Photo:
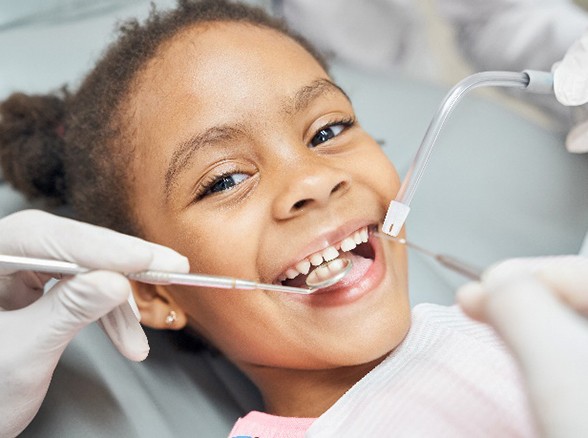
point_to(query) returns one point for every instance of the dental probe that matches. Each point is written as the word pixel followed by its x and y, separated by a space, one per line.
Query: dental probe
pixel 448 261
pixel 529 80
pixel 15 263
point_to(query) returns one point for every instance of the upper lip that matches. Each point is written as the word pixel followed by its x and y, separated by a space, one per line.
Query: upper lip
pixel 324 240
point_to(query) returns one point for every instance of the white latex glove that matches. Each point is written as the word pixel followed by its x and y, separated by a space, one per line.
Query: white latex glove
pixel 540 308
pixel 35 329
pixel 570 82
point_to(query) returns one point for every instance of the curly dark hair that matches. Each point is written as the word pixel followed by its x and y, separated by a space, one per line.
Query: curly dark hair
pixel 73 148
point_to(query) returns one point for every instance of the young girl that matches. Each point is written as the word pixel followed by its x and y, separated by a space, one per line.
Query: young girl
pixel 213 130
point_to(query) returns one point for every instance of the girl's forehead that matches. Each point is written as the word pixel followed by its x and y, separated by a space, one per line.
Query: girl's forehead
pixel 230 49
pixel 222 69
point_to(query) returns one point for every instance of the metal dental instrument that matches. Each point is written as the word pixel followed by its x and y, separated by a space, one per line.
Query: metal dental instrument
pixel 15 263
pixel 338 269
pixel 448 261
pixel 529 80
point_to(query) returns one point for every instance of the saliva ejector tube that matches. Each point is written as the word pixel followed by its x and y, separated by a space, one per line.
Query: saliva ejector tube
pixel 529 80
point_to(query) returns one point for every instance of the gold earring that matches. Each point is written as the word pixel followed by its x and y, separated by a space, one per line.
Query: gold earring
pixel 171 318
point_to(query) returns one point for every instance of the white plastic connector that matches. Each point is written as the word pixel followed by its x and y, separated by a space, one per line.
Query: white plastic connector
pixel 395 218
pixel 540 82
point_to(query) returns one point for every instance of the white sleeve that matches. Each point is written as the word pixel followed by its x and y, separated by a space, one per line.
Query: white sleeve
pixel 514 34
pixel 384 35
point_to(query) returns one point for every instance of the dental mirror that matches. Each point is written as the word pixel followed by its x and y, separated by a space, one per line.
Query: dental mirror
pixel 328 273
pixel 323 276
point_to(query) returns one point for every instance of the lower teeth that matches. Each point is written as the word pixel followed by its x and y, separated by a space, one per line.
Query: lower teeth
pixel 325 271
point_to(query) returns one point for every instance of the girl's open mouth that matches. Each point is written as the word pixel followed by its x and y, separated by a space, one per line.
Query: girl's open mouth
pixel 357 247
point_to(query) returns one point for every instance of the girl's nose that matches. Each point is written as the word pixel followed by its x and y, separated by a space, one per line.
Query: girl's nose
pixel 309 187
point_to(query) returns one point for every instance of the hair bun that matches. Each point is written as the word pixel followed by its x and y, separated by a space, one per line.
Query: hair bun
pixel 32 145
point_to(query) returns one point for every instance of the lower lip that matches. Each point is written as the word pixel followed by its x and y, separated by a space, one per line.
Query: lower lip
pixel 341 294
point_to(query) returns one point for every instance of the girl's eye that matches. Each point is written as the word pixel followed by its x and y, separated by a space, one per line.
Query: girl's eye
pixel 328 132
pixel 224 182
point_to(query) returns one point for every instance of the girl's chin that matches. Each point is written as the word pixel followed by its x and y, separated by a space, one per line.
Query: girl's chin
pixel 373 341
pixel 364 353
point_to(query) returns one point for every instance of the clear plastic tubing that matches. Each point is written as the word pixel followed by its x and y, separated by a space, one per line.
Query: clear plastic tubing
pixel 530 80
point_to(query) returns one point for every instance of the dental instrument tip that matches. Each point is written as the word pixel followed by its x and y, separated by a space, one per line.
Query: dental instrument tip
pixel 451 263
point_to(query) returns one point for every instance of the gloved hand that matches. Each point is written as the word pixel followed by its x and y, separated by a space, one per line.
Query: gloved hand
pixel 540 308
pixel 35 329
pixel 570 78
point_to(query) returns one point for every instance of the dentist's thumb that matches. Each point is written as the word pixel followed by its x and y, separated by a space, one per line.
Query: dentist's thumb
pixel 525 312
pixel 74 303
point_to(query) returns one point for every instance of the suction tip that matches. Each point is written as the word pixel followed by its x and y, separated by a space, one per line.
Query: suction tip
pixel 395 218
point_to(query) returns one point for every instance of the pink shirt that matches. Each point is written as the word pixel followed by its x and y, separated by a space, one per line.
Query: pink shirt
pixel 450 377
pixel 262 425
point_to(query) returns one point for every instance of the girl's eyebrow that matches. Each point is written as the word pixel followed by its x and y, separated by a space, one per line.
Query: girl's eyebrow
pixel 185 150
pixel 305 95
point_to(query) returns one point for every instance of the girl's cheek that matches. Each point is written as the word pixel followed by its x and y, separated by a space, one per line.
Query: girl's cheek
pixel 379 173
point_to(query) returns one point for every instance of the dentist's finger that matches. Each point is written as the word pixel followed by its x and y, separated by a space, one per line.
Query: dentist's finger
pixel 567 276
pixel 570 78
pixel 38 234
pixel 124 330
pixel 472 298
pixel 577 139
pixel 526 311
pixel 570 283
pixel 72 304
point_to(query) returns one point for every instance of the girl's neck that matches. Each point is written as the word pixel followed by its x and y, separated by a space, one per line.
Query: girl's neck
pixel 305 393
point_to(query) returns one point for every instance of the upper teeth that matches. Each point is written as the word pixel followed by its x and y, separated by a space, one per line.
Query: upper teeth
pixel 326 255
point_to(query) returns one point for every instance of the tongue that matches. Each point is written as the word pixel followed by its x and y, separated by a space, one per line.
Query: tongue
pixel 359 269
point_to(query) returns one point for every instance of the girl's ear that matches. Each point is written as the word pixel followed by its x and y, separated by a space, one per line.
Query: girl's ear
pixel 157 307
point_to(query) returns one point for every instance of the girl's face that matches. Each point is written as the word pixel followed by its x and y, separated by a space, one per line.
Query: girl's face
pixel 250 162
